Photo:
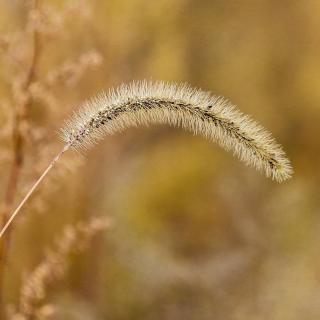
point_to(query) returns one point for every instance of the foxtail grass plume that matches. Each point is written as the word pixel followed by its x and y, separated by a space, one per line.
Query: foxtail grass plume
pixel 146 102
pixel 215 118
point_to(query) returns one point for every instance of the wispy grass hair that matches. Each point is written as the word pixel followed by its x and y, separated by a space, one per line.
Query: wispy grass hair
pixel 146 102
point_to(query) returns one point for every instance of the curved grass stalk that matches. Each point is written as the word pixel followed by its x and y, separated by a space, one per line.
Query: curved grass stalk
pixel 144 103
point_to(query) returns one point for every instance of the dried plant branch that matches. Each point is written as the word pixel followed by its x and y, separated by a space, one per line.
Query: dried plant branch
pixel 55 264
pixel 19 126
pixel 22 58
pixel 143 103
pixel 71 71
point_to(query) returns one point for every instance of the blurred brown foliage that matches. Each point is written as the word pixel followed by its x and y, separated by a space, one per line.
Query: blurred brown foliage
pixel 196 235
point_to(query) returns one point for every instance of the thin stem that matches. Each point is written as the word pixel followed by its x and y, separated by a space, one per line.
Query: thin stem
pixel 32 189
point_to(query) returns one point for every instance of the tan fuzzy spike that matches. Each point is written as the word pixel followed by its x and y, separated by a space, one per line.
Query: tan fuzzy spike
pixel 143 103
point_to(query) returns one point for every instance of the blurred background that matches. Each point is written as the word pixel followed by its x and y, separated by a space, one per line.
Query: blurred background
pixel 155 223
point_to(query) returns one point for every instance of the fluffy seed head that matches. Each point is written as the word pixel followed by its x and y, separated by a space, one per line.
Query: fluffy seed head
pixel 143 103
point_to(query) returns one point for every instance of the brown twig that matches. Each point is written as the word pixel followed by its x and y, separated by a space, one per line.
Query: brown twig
pixel 19 124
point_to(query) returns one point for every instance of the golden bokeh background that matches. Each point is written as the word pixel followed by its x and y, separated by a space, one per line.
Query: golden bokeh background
pixel 194 233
